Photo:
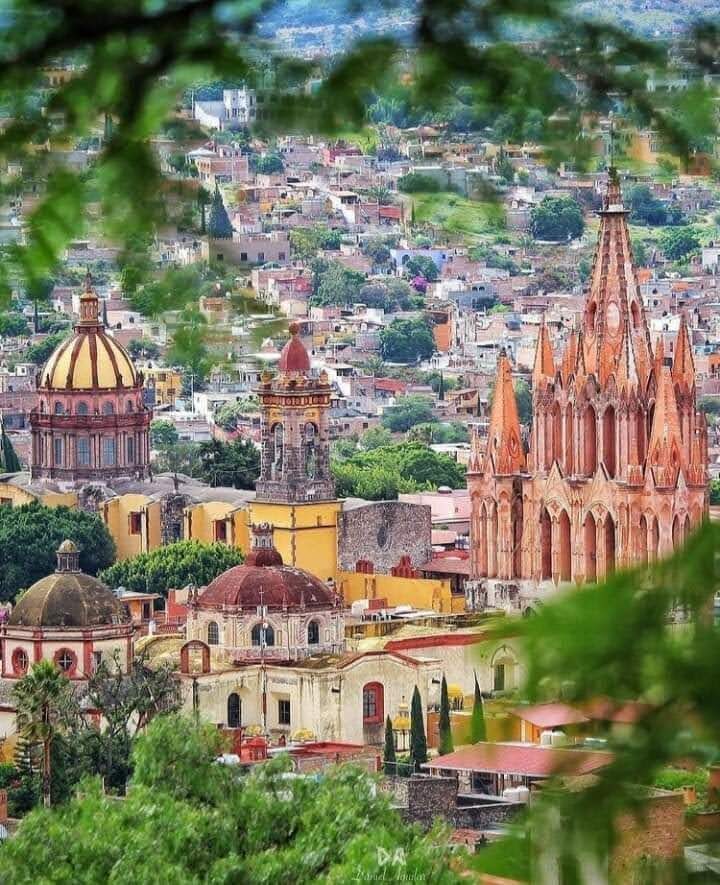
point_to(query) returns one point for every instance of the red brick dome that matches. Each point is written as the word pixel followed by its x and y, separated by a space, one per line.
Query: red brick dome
pixel 294 357
pixel 277 586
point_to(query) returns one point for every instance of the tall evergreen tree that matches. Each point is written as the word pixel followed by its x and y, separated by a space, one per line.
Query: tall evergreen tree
pixel 24 795
pixel 446 742
pixel 389 752
pixel 9 461
pixel 418 741
pixel 477 721
pixel 219 226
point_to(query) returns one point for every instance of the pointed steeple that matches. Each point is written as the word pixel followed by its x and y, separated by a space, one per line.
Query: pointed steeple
pixel 614 296
pixel 683 368
pixel 665 450
pixel 544 368
pixel 570 355
pixel 626 375
pixel 504 445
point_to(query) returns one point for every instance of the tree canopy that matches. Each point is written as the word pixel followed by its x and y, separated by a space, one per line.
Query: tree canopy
pixel 163 433
pixel 264 827
pixel 679 243
pixel 30 535
pixel 407 412
pixel 557 218
pixel 172 566
pixel 219 226
pixel 406 341
pixel 337 285
pixel 382 473
pixel 235 464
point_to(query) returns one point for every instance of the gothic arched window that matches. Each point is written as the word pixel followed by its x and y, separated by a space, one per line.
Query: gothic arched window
pixel 233 710
pixel 310 444
pixel 256 635
pixel 277 463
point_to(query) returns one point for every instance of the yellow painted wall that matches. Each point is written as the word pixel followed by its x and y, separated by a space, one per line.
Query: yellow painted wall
pixel 240 529
pixel 18 496
pixel 305 534
pixel 116 516
pixel 427 593
pixel 200 520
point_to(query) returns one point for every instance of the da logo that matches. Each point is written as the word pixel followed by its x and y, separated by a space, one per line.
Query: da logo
pixel 395 858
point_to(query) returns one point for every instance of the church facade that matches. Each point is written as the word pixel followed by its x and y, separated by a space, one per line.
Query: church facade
pixel 615 473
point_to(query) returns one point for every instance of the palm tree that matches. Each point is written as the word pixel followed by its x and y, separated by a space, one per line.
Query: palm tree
pixel 43 700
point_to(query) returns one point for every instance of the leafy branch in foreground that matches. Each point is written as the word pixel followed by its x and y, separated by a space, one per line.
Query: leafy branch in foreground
pixel 133 61
pixel 644 635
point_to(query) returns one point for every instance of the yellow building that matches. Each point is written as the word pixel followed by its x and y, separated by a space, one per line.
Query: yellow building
pixel 338 541
pixel 165 382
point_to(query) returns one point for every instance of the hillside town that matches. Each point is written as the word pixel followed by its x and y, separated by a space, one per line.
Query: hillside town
pixel 306 463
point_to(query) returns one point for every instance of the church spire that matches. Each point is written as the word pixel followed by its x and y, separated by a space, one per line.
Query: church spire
pixel 504 446
pixel 626 373
pixel 544 368
pixel 665 450
pixel 614 296
pixel 683 367
pixel 569 358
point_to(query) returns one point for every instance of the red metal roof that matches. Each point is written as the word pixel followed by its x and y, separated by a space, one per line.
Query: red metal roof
pixel 522 759
pixel 442 566
pixel 549 715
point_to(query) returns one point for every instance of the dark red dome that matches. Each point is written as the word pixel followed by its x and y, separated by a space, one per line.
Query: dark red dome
pixel 294 357
pixel 263 556
pixel 276 586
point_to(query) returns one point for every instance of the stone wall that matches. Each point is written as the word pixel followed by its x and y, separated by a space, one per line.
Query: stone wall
pixel 382 532
pixel 172 517
pixel 430 798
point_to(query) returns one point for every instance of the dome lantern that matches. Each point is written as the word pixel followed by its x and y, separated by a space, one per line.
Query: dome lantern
pixel 68 558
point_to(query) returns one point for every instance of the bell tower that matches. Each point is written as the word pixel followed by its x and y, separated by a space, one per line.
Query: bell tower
pixel 295 465
pixel 296 492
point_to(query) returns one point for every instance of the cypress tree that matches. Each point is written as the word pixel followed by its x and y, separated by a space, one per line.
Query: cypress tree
pixel 389 753
pixel 9 461
pixel 418 741
pixel 477 722
pixel 219 226
pixel 24 795
pixel 446 742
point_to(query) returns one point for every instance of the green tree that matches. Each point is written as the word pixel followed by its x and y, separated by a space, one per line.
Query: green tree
pixel 445 744
pixel 416 182
pixel 376 249
pixel 640 251
pixel 9 461
pixel 13 325
pixel 163 433
pixel 677 244
pixel 43 701
pixel 235 464
pixel 477 720
pixel 306 242
pixel 645 207
pixel 189 346
pixel 557 218
pixel 418 741
pixel 172 566
pixel 143 347
pixel 421 266
pixel 375 438
pixel 40 353
pixel 38 292
pixel 389 759
pixel 407 412
pixel 228 415
pixel 219 226
pixel 204 199
pixel 265 828
pixel 30 535
pixel 407 341
pixel 338 285
pixel 523 397
pixel 268 164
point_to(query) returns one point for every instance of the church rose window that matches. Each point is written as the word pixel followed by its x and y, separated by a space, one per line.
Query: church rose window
pixel 66 660
pixel 20 661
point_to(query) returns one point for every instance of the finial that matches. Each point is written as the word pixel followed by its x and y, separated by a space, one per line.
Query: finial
pixel 294 329
pixel 88 280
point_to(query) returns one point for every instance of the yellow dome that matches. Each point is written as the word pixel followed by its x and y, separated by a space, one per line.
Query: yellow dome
pixel 89 360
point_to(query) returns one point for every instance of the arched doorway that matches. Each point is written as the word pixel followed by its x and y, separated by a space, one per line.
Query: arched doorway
pixel 545 545
pixel 565 550
pixel 590 441
pixel 590 545
pixel 655 538
pixel 609 440
pixel 557 446
pixel 676 533
pixel 642 546
pixel 569 442
pixel 234 708
pixel 609 532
